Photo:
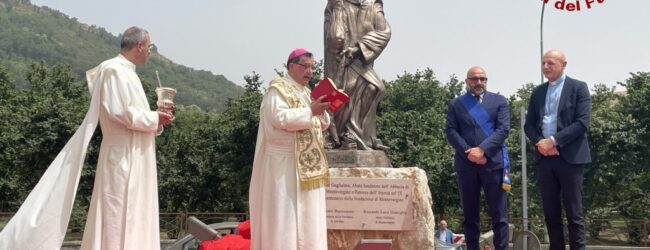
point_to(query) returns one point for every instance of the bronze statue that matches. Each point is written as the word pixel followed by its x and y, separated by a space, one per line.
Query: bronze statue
pixel 356 32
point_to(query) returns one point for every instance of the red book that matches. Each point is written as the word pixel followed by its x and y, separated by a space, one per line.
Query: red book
pixel 334 96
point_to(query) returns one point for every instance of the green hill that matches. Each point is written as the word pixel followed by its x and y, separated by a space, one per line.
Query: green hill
pixel 30 34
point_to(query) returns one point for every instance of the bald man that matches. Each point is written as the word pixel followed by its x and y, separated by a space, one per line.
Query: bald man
pixel 558 118
pixel 477 126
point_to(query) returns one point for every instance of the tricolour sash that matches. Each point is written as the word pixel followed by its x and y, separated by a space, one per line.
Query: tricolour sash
pixel 482 118
pixel 311 161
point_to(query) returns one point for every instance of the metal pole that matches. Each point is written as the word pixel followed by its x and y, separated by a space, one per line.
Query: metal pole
pixel 541 78
pixel 541 40
pixel 524 175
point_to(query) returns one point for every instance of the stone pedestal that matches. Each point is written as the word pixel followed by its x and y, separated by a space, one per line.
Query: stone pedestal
pixel 422 238
pixel 357 158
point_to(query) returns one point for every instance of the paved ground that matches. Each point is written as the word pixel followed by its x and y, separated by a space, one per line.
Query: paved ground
pixel 74 245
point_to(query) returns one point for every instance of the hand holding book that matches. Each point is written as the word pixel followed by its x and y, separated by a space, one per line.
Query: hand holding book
pixel 335 97
pixel 318 106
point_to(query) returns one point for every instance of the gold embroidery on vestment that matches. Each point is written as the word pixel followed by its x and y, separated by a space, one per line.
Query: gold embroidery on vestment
pixel 311 161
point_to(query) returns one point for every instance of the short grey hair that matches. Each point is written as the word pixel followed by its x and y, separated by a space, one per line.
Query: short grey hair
pixel 132 36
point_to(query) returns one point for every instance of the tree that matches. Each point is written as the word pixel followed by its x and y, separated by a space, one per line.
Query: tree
pixel 516 101
pixel 183 153
pixel 411 121
pixel 210 155
pixel 631 155
pixel 41 119
pixel 238 131
pixel 11 123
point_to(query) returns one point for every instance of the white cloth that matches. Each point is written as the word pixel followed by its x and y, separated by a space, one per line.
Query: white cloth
pixel 123 210
pixel 282 216
pixel 42 220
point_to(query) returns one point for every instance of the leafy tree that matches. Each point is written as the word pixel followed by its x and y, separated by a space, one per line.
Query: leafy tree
pixel 632 152
pixel 38 122
pixel 238 131
pixel 606 141
pixel 518 101
pixel 210 155
pixel 11 124
pixel 55 108
pixel 183 155
pixel 411 121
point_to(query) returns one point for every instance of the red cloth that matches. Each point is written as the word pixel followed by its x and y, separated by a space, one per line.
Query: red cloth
pixel 244 229
pixel 228 242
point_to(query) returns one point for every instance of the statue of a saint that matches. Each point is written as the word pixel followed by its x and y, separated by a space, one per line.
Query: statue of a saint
pixel 356 32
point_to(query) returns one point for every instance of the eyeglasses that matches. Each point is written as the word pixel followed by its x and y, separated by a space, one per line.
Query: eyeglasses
pixel 476 79
pixel 305 66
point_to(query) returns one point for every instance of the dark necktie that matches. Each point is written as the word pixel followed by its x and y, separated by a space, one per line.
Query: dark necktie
pixel 478 98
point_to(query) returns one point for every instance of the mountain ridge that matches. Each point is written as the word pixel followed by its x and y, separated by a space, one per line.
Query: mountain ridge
pixel 31 34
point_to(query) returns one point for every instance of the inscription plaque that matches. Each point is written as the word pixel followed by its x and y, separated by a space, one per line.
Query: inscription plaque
pixel 369 204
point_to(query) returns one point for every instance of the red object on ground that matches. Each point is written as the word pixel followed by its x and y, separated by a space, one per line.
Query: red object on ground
pixel 228 242
pixel 244 229
pixel 239 241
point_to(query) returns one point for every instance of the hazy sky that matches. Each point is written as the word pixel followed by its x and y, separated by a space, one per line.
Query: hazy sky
pixel 235 37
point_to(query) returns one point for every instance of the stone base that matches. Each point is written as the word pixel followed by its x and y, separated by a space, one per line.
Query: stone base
pixel 357 158
pixel 422 238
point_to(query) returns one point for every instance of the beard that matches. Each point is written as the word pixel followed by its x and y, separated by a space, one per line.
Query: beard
pixel 476 90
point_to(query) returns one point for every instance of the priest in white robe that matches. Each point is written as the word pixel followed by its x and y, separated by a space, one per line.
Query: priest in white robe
pixel 287 190
pixel 124 206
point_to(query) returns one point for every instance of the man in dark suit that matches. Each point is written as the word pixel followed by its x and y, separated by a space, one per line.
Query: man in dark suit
pixel 479 158
pixel 558 118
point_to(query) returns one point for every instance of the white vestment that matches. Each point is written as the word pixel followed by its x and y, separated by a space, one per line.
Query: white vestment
pixel 123 210
pixel 124 206
pixel 282 216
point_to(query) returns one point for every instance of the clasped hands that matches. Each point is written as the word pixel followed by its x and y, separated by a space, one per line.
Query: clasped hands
pixel 349 53
pixel 476 155
pixel 318 106
pixel 165 116
pixel 546 147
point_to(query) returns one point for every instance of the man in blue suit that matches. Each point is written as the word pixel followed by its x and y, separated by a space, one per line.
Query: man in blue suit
pixel 479 158
pixel 558 118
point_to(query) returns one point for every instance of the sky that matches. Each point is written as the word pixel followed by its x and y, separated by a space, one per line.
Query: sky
pixel 603 44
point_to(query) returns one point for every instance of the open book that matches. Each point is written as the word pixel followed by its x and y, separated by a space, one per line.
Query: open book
pixel 334 96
